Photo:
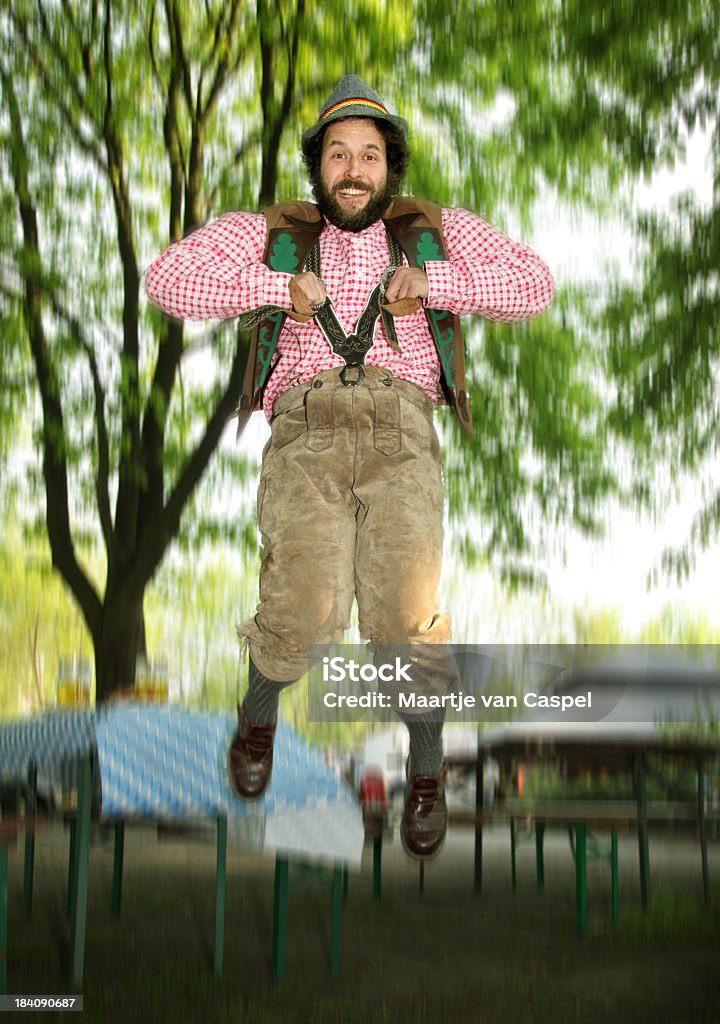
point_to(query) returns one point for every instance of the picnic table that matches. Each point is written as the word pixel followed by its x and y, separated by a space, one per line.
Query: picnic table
pixel 133 762
pixel 581 751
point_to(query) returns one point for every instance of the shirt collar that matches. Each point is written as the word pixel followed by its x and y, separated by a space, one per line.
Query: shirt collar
pixel 376 229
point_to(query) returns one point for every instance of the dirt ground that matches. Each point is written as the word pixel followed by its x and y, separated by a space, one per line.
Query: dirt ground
pixel 446 954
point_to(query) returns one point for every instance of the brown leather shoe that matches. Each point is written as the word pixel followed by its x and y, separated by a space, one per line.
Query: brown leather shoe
pixel 425 817
pixel 250 757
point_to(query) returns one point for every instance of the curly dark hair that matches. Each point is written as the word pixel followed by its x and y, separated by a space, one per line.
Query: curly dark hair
pixel 396 147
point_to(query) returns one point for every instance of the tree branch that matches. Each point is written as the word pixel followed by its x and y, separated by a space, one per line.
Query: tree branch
pixel 69 76
pixel 222 67
pixel 172 337
pixel 160 531
pixel 238 156
pixel 67 113
pixel 275 115
pixel 177 47
pixel 130 469
pixel 102 480
pixel 151 49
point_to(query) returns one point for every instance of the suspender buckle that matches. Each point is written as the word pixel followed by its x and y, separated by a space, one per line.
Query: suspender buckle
pixel 350 382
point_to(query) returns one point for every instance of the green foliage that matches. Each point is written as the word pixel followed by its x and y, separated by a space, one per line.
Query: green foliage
pixel 39 624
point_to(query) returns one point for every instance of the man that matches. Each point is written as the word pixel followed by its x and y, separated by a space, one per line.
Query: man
pixel 359 298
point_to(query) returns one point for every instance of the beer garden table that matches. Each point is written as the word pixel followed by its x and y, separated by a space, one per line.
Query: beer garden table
pixel 139 762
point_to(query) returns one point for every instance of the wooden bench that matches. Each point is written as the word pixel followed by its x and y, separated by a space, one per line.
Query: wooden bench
pixel 580 817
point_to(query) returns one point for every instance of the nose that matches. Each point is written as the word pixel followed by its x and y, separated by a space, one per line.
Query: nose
pixel 355 169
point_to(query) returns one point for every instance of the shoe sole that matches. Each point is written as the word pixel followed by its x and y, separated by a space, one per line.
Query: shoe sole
pixel 421 858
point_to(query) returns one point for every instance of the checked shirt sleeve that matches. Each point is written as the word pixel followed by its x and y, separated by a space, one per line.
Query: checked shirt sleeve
pixel 217 272
pixel 487 272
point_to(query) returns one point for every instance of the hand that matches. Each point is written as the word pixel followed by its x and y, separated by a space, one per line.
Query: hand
pixel 312 288
pixel 408 283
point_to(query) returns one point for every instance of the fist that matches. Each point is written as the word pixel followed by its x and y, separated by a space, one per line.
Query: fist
pixel 408 283
pixel 311 288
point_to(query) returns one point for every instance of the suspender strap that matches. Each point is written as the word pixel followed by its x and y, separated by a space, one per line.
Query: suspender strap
pixel 416 225
pixel 354 347
pixel 414 228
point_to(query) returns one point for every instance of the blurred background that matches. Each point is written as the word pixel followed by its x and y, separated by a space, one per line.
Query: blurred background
pixel 585 509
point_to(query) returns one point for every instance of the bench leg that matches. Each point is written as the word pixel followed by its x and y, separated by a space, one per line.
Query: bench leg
pixel 220 875
pixel 72 872
pixel 479 808
pixel 30 812
pixel 377 868
pixel 513 854
pixel 703 835
pixel 643 842
pixel 118 858
pixel 614 875
pixel 336 920
pixel 581 877
pixel 540 853
pixel 280 917
pixel 80 864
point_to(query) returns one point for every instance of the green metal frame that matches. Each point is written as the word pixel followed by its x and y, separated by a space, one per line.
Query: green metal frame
pixel 614 887
pixel 540 853
pixel 338 893
pixel 220 884
pixel 118 860
pixel 377 868
pixel 280 904
pixel 479 810
pixel 30 819
pixel 78 889
pixel 337 882
pixel 703 833
pixel 581 877
pixel 643 841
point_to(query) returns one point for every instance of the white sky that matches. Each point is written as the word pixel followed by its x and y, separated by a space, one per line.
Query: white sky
pixel 614 573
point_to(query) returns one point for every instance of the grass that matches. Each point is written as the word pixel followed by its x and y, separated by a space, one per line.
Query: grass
pixel 671 918
pixel 448 955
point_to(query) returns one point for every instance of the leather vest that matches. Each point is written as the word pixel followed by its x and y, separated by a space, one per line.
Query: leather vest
pixel 293 230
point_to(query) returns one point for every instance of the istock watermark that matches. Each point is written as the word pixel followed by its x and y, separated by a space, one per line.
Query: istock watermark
pixel 533 683
pixel 340 670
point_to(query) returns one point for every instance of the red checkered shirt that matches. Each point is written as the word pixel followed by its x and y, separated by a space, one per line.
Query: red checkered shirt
pixel 218 272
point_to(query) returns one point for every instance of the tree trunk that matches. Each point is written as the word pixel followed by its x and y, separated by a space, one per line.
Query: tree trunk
pixel 118 644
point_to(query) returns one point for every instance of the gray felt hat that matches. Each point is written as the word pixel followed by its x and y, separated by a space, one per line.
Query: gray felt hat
pixel 353 98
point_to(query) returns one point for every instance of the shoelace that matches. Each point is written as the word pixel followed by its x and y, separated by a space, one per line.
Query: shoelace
pixel 258 738
pixel 425 789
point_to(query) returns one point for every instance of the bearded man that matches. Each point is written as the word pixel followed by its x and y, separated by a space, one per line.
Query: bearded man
pixel 357 299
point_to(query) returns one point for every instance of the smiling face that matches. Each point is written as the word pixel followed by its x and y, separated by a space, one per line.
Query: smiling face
pixel 353 189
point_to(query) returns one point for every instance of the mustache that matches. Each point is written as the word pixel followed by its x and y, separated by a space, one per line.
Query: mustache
pixel 352 184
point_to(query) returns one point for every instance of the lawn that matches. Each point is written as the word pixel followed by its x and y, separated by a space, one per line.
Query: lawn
pixel 448 954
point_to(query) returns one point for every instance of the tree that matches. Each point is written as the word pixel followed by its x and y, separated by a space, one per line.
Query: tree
pixel 108 82
pixel 109 105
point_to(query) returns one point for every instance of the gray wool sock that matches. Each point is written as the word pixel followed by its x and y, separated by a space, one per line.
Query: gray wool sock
pixel 426 745
pixel 262 697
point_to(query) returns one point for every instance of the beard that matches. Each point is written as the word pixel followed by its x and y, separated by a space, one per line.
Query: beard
pixel 352 220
